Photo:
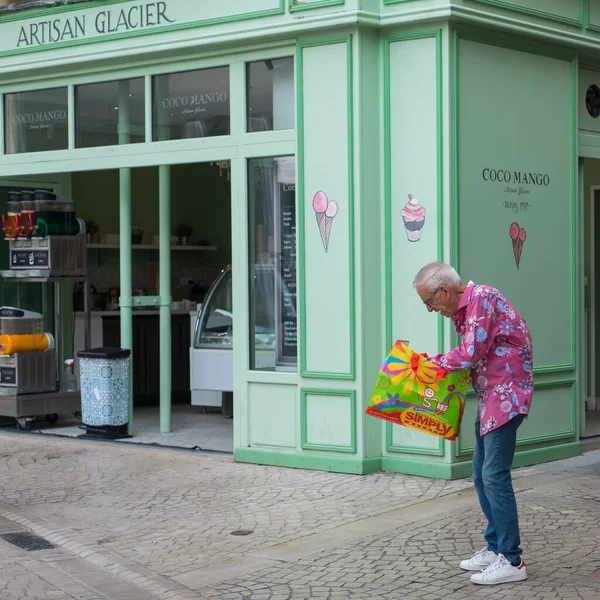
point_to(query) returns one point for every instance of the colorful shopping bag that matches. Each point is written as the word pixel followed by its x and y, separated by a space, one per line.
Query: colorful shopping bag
pixel 414 392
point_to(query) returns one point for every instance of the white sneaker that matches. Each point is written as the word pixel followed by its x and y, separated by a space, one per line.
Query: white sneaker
pixel 500 571
pixel 480 560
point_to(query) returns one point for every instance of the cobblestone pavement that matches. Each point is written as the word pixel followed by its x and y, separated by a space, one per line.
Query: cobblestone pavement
pixel 137 524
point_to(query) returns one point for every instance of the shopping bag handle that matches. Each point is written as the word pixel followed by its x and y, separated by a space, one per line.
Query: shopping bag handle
pixel 441 369
pixel 440 373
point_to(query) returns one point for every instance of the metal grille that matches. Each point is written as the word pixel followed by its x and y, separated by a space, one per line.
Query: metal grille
pixel 27 541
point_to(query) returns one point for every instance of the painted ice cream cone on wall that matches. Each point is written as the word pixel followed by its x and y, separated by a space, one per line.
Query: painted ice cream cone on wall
pixel 518 235
pixel 325 212
pixel 413 216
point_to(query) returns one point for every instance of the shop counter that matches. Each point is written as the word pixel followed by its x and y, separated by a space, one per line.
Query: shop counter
pixel 106 331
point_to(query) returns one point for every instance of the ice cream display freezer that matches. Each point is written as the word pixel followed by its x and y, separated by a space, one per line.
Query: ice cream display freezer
pixel 211 355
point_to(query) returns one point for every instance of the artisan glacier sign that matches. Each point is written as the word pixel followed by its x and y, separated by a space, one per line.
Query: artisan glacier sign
pixel 124 18
pixel 61 29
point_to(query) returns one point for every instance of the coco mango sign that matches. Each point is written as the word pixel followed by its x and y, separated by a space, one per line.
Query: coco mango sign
pixel 125 18
pixel 515 176
pixel 518 186
pixel 40 116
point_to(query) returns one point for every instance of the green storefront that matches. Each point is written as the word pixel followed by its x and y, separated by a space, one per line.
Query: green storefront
pixel 406 130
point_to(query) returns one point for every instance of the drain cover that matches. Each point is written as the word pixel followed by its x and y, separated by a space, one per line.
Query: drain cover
pixel 27 541
pixel 242 532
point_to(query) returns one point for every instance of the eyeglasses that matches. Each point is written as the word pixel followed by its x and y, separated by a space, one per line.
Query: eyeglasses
pixel 430 300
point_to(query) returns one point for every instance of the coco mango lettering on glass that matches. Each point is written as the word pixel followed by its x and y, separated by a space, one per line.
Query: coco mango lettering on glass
pixel 40 117
pixel 195 103
pixel 52 31
pixel 193 99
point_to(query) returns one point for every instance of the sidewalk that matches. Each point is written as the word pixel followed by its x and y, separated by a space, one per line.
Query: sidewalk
pixel 138 524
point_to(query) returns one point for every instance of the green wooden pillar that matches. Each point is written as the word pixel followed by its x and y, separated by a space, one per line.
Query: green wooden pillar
pixel 164 215
pixel 126 300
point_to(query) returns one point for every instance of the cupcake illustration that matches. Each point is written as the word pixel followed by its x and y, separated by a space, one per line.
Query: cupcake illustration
pixel 414 219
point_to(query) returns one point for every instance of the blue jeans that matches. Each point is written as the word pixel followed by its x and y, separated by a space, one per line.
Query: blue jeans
pixel 492 462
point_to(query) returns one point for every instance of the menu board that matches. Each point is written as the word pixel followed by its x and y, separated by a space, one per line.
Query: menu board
pixel 29 259
pixel 288 336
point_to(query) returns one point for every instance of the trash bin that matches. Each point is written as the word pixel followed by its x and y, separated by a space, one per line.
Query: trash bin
pixel 105 392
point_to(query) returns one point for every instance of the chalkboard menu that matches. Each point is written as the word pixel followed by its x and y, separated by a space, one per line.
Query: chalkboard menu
pixel 288 336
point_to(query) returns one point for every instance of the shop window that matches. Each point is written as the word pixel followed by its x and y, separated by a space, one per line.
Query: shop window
pixel 36 121
pixel 272 268
pixel 270 94
pixel 191 104
pixel 110 113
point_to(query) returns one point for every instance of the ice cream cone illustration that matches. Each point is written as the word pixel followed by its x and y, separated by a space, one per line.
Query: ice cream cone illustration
pixel 325 211
pixel 413 216
pixel 518 235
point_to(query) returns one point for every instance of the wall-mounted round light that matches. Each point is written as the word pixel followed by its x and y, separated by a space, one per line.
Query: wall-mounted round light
pixel 592 101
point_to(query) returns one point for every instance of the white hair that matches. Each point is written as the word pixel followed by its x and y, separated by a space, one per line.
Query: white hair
pixel 435 274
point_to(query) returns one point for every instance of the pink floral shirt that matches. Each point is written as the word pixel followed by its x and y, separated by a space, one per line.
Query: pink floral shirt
pixel 496 346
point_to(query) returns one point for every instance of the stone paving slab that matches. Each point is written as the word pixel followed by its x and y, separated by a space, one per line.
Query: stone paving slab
pixel 419 558
pixel 144 523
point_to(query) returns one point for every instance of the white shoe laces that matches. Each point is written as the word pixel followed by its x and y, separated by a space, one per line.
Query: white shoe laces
pixel 497 564
pixel 481 553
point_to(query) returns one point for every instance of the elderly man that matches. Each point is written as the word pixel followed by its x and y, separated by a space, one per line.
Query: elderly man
pixel 496 346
